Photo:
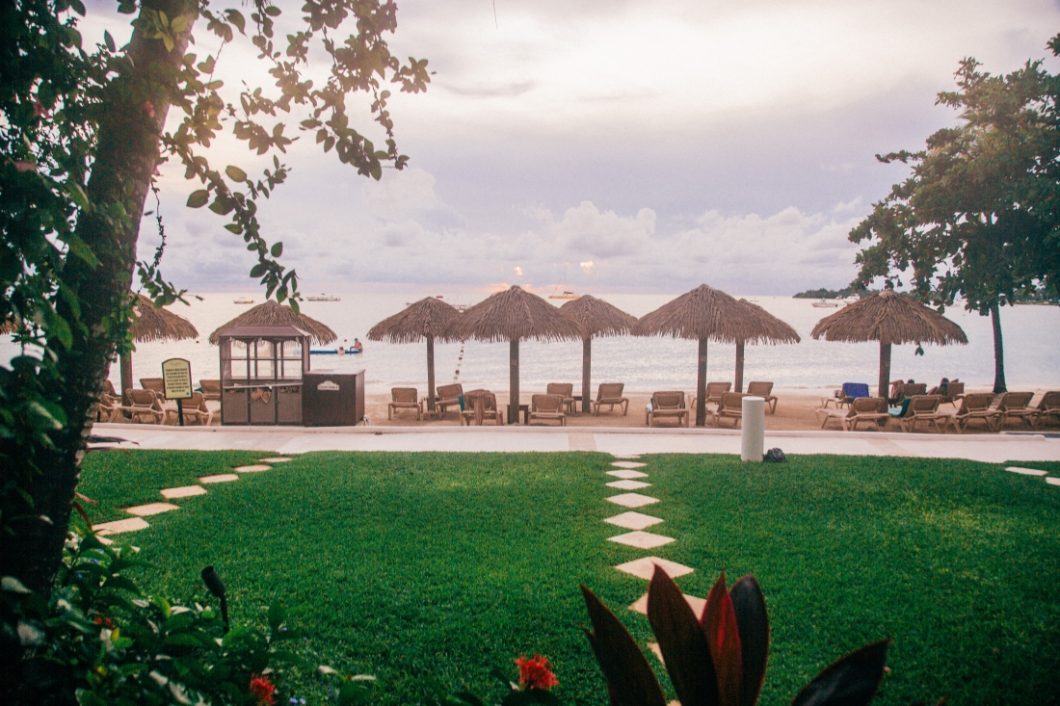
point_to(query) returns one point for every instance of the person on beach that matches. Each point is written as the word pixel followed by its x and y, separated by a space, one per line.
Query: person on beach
pixel 342 348
pixel 357 347
pixel 943 388
pixel 897 392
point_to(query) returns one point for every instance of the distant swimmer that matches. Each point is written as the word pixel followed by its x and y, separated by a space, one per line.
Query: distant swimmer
pixel 342 348
pixel 357 346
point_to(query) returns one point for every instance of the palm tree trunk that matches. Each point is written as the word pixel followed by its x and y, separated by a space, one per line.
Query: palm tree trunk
pixel 999 349
pixel 430 373
pixel 885 368
pixel 513 382
pixel 738 383
pixel 701 385
pixel 587 365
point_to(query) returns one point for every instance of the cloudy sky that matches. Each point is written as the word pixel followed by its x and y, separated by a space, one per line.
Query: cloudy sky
pixel 606 146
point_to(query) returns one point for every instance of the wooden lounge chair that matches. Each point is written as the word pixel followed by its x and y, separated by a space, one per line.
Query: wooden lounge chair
pixel 610 394
pixel 730 406
pixel 952 392
pixel 870 410
pixel 847 394
pixel 667 405
pixel 548 408
pixel 447 396
pixel 974 406
pixel 765 391
pixel 194 410
pixel 108 406
pixel 1048 406
pixel 1016 405
pixel 924 409
pixel 211 388
pixel 566 390
pixel 403 398
pixel 155 385
pixel 480 405
pixel 144 406
pixel 715 390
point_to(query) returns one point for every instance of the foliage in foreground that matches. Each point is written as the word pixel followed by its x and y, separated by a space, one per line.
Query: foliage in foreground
pixel 98 641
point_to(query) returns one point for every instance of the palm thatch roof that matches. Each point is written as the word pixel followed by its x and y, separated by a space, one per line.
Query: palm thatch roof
pixel 153 323
pixel 768 328
pixel 273 313
pixel 513 314
pixel 597 317
pixel 889 317
pixel 429 317
pixel 704 312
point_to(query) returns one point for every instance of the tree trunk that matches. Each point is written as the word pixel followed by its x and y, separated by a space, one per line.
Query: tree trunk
pixel 738 382
pixel 126 376
pixel 127 153
pixel 885 369
pixel 513 382
pixel 587 367
pixel 999 349
pixel 701 384
pixel 430 373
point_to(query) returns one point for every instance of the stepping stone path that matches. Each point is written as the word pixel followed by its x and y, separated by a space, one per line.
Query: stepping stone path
pixel 1051 480
pixel 637 538
pixel 137 522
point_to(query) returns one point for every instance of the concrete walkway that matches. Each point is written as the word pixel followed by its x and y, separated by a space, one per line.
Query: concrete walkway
pixel 994 448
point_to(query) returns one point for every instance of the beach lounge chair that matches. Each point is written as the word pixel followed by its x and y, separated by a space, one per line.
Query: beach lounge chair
pixel 1016 405
pixel 730 406
pixel 155 385
pixel 924 409
pixel 480 405
pixel 403 398
pixel 564 389
pixel 1048 406
pixel 548 408
pixel 194 410
pixel 847 394
pixel 108 406
pixel 610 394
pixel 870 410
pixel 765 391
pixel 211 388
pixel 715 390
pixel 667 405
pixel 974 405
pixel 144 406
pixel 447 396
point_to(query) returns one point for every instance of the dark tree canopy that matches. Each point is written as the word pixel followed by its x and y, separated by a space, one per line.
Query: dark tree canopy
pixel 979 216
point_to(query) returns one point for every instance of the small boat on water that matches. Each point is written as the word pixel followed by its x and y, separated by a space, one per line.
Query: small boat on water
pixel 563 295
pixel 335 351
pixel 323 298
pixel 242 300
pixel 826 303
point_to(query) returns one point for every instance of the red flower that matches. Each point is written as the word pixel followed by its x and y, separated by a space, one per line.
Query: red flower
pixel 536 673
pixel 103 622
pixel 263 690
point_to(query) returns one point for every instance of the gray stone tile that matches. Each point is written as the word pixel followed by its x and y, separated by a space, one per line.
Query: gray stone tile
pixel 1026 471
pixel 628 484
pixel 219 478
pixel 643 568
pixel 632 500
pixel 641 540
pixel 253 468
pixel 633 520
pixel 1052 480
pixel 185 491
pixel 696 604
pixel 628 464
pixel 130 524
pixel 627 474
pixel 151 509
pixel 275 459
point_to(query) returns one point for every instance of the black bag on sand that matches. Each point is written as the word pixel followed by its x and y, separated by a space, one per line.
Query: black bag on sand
pixel 774 456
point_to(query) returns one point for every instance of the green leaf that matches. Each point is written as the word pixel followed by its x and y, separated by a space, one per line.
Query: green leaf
pixel 234 228
pixel 109 41
pixel 235 173
pixel 198 199
pixel 12 585
pixel 257 270
pixel 236 18
pixel 277 249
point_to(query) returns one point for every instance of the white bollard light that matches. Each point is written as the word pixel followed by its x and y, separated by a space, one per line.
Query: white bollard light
pixel 752 440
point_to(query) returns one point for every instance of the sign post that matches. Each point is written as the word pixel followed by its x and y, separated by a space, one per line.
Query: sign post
pixel 176 383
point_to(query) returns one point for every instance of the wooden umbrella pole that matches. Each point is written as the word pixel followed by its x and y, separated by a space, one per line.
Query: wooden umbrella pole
pixel 738 382
pixel 885 368
pixel 587 364
pixel 513 382
pixel 430 374
pixel 701 385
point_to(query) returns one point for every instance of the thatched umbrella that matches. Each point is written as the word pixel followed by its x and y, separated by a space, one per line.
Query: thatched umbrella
pixel 427 318
pixel 888 317
pixel 273 313
pixel 597 318
pixel 701 314
pixel 512 315
pixel 768 329
pixel 152 323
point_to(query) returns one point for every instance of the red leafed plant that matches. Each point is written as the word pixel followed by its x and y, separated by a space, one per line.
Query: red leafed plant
pixel 718 658
pixel 536 673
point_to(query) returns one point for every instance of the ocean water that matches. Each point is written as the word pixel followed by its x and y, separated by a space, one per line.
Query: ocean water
pixel 1031 336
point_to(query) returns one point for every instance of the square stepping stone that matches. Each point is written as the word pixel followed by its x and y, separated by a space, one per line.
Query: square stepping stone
pixel 633 520
pixel 1052 480
pixel 644 568
pixel 275 459
pixel 130 524
pixel 626 455
pixel 628 464
pixel 628 484
pixel 1026 471
pixel 632 500
pixel 696 604
pixel 185 491
pixel 253 468
pixel 219 478
pixel 151 509
pixel 627 474
pixel 641 540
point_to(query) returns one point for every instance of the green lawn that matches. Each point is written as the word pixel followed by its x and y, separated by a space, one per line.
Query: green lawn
pixel 429 569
